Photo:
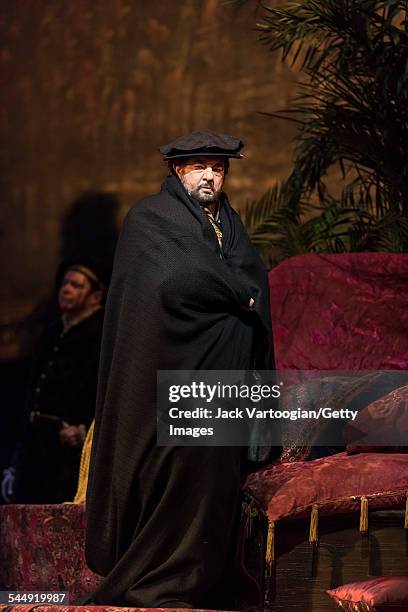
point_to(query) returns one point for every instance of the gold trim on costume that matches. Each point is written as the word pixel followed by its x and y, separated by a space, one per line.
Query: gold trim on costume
pixel 87 272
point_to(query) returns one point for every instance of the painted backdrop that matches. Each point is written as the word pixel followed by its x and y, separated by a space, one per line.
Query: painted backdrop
pixel 92 88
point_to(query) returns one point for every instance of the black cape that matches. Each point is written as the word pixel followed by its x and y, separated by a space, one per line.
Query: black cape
pixel 161 520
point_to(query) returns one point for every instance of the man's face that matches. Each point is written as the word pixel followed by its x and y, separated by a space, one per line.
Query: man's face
pixel 202 177
pixel 76 293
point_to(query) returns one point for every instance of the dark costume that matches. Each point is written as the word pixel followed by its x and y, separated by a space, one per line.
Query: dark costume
pixel 161 520
pixel 62 388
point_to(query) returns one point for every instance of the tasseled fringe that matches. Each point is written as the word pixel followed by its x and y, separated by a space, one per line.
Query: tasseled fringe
pixel 406 513
pixel 84 467
pixel 270 548
pixel 314 522
pixel 364 515
pixel 250 510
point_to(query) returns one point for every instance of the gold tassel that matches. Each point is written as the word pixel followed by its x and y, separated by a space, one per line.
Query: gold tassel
pixel 270 548
pixel 84 467
pixel 406 513
pixel 314 522
pixel 364 515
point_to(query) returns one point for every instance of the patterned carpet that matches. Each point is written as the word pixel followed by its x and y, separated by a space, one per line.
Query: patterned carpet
pixel 57 608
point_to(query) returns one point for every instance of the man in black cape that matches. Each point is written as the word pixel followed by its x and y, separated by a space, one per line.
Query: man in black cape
pixel 188 292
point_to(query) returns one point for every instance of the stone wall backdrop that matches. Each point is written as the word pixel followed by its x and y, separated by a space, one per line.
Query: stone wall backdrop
pixel 91 89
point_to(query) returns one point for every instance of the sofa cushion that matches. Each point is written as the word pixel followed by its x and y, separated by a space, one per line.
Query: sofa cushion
pixel 376 595
pixel 385 423
pixel 334 483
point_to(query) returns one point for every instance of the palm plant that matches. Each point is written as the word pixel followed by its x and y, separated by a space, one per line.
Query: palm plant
pixel 282 225
pixel 352 111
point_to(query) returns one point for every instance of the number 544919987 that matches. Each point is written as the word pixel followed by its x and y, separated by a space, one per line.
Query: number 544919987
pixel 51 597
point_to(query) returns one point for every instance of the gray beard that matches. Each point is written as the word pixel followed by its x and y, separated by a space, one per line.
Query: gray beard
pixel 205 198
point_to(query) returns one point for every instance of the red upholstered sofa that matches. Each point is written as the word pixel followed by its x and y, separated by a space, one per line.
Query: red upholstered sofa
pixel 341 312
pixel 42 548
pixel 59 608
pixel 330 312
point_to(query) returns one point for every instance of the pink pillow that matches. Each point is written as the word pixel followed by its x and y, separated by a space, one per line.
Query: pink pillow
pixel 384 421
pixel 334 483
pixel 376 595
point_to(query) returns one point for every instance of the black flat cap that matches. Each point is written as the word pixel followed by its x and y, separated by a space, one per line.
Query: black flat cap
pixel 203 143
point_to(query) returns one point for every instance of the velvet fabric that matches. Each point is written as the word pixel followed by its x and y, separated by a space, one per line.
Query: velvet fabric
pixel 356 449
pixel 42 548
pixel 383 420
pixel 377 595
pixel 353 391
pixel 381 425
pixel 335 483
pixel 341 312
pixel 338 312
pixel 58 608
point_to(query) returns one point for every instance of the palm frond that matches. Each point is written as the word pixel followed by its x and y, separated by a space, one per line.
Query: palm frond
pixel 352 111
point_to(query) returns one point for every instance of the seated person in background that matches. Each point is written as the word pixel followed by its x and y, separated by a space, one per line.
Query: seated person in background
pixel 60 400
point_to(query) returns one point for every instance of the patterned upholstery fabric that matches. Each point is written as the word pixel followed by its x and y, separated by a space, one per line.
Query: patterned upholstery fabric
pixel 336 484
pixel 37 608
pixel 341 312
pixel 42 548
pixel 383 420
